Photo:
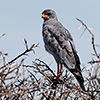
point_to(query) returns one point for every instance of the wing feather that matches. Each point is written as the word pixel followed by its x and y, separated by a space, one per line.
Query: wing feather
pixel 59 43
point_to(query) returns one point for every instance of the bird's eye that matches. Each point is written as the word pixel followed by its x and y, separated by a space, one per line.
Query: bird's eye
pixel 48 13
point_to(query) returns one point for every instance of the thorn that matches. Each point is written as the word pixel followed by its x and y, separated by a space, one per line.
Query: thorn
pixel 80 27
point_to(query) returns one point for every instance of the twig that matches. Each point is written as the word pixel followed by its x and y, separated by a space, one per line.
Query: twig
pixel 92 62
pixel 47 67
pixel 92 37
pixel 26 51
pixel 2 35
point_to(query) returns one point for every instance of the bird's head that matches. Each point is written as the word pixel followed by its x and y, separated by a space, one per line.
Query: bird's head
pixel 49 14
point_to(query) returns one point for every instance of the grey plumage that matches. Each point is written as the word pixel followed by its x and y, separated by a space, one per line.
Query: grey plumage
pixel 59 42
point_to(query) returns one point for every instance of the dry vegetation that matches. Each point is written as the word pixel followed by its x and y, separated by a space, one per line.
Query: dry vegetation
pixel 37 80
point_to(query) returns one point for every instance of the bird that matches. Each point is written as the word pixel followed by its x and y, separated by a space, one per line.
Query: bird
pixel 59 43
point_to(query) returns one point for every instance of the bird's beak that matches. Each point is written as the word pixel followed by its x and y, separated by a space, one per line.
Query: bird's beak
pixel 45 16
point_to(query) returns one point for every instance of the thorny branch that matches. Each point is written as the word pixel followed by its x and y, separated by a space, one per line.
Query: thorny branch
pixel 24 53
pixel 36 81
pixel 93 44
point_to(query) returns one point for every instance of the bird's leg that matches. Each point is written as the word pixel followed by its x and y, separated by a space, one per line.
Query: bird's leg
pixel 59 73
pixel 61 69
pixel 57 69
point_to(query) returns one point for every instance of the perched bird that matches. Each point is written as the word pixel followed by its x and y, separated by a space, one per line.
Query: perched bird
pixel 59 43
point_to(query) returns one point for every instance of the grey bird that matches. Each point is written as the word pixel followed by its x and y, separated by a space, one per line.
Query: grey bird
pixel 59 43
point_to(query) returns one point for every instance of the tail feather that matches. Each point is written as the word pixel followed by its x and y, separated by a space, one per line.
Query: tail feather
pixel 77 71
pixel 78 75
pixel 80 81
pixel 79 78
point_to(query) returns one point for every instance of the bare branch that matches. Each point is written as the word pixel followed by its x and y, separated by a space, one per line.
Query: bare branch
pixel 92 37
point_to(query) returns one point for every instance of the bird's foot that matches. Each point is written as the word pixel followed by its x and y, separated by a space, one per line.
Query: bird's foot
pixel 59 74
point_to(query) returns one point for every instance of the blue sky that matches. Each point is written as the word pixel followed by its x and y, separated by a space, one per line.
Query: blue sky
pixel 21 19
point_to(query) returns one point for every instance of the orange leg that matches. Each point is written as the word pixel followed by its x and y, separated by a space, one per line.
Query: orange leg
pixel 57 69
pixel 61 69
pixel 59 73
